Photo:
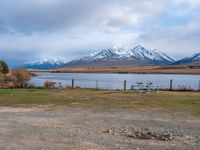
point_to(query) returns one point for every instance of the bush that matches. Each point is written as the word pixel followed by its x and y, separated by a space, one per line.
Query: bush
pixel 49 84
pixel 21 77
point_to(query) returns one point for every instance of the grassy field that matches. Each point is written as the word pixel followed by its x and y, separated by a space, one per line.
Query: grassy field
pixel 177 101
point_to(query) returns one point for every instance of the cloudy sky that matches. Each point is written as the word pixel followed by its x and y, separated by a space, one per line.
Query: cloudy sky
pixel 68 29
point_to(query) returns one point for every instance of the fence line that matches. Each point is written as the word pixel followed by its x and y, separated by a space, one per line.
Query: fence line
pixel 125 86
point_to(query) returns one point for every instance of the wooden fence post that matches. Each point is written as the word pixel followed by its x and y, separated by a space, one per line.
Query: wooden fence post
pixel 199 85
pixel 72 83
pixel 97 84
pixel 171 85
pixel 125 82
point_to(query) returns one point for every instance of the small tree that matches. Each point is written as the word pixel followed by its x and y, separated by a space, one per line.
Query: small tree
pixel 21 76
pixel 4 67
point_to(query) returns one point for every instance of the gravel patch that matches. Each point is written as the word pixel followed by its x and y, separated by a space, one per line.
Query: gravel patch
pixel 96 129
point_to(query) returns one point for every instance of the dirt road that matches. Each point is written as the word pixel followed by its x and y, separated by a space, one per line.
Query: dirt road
pixel 96 129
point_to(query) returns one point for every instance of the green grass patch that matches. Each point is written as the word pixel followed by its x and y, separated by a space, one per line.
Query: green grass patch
pixel 187 101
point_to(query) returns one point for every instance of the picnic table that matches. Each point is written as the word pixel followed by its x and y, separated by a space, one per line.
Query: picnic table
pixel 145 87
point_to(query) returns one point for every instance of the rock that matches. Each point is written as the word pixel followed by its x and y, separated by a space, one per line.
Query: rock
pixel 42 138
pixel 107 131
pixel 126 131
pixel 131 135
pixel 91 146
pixel 170 136
pixel 139 134
pixel 147 134
pixel 162 138
pixel 165 139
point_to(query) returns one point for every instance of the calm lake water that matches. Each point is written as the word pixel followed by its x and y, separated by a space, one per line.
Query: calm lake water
pixel 115 81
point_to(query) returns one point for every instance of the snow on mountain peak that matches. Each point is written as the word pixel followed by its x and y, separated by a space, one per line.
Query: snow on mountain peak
pixel 196 56
pixel 194 59
pixel 138 53
pixel 144 53
pixel 45 60
pixel 44 63
pixel 103 54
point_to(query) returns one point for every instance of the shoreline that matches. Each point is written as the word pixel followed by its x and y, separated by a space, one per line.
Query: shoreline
pixel 182 70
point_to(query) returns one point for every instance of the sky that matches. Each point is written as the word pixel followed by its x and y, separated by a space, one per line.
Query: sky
pixel 69 29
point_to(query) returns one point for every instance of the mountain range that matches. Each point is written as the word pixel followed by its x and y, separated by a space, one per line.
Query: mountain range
pixel 116 56
pixel 44 63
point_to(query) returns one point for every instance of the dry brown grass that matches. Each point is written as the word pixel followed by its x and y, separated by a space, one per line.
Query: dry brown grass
pixel 131 69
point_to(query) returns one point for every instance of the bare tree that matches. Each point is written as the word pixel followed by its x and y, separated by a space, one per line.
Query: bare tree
pixel 21 76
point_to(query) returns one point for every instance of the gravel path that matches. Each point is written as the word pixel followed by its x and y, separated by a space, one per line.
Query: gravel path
pixel 96 129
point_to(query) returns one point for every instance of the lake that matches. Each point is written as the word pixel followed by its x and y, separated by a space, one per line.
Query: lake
pixel 115 81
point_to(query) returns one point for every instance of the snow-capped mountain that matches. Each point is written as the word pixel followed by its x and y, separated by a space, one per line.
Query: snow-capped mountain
pixel 192 60
pixel 115 52
pixel 142 53
pixel 121 56
pixel 44 63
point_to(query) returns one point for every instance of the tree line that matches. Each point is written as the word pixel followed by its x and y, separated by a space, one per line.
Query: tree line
pixel 15 78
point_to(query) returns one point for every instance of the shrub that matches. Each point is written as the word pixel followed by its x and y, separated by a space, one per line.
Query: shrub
pixel 21 77
pixel 49 84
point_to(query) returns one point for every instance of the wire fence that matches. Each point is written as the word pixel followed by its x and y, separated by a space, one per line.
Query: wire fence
pixel 110 85
pixel 125 85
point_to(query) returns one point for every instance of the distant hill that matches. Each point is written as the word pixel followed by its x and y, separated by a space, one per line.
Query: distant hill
pixel 192 60
pixel 117 56
pixel 44 63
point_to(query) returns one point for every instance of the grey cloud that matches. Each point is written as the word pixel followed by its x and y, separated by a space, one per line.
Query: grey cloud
pixel 14 58
pixel 71 28
pixel 179 41
pixel 50 15
pixel 37 16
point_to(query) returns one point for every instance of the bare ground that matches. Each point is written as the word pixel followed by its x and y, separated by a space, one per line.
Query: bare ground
pixel 79 128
